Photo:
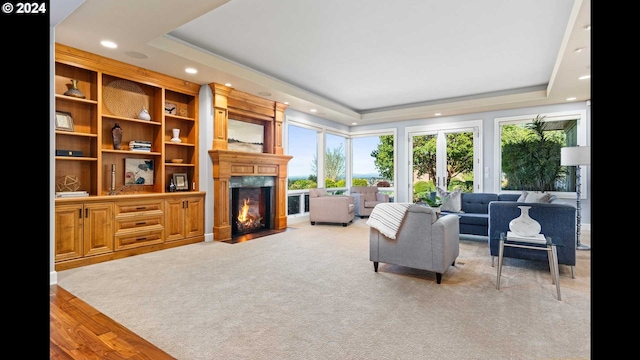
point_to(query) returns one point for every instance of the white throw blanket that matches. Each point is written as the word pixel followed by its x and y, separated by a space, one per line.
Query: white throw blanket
pixel 387 217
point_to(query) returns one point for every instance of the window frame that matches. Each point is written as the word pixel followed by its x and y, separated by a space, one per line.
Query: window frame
pixel 579 115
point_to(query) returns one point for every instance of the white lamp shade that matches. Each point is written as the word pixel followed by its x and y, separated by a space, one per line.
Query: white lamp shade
pixel 576 155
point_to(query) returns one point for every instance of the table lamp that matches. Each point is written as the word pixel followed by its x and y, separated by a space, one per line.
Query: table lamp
pixel 576 156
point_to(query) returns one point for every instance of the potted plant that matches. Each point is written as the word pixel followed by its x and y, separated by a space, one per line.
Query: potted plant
pixel 434 203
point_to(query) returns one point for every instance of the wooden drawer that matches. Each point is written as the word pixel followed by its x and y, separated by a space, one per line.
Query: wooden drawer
pixel 139 222
pixel 132 238
pixel 138 208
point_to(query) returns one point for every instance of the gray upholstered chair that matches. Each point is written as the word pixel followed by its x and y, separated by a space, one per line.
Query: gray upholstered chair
pixel 423 241
pixel 330 208
pixel 366 198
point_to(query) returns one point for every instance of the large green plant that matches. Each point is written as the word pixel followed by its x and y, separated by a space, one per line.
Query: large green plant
pixel 531 157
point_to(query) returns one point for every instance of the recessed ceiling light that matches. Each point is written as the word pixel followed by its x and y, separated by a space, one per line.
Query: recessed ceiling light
pixel 191 70
pixel 109 44
pixel 286 103
pixel 136 55
pixel 571 99
pixel 227 84
pixel 354 123
pixel 578 50
pixel 313 110
pixel 264 93
pixel 583 77
pixel 437 114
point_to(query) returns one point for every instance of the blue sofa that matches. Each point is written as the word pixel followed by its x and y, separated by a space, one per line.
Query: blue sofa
pixel 489 213
pixel 474 218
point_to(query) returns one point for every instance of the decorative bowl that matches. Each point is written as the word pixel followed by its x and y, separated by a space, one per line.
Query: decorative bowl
pixel 176 161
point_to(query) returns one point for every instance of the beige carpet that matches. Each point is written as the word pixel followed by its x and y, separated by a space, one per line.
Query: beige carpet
pixel 311 293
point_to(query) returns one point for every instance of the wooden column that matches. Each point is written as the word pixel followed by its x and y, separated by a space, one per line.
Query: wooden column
pixel 220 116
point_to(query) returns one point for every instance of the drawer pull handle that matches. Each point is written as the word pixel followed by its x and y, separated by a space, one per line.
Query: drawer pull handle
pixel 141 208
pixel 140 239
pixel 141 223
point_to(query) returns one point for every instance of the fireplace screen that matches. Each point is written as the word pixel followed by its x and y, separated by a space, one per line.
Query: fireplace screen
pixel 251 209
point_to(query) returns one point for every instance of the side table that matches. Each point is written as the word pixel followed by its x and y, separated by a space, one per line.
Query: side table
pixel 549 247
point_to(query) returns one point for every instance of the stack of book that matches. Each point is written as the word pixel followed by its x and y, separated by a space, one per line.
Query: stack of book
pixel 63 194
pixel 140 145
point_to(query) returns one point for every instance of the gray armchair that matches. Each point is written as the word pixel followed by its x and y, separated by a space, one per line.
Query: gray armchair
pixel 330 208
pixel 366 198
pixel 423 241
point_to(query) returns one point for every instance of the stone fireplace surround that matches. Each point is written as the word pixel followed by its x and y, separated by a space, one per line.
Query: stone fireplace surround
pixel 227 163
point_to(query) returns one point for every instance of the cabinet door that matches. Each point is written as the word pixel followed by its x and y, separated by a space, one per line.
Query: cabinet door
pixel 174 221
pixel 68 231
pixel 98 228
pixel 194 216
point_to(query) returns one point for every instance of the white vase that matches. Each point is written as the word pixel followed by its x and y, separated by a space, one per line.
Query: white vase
pixel 144 114
pixel 524 225
pixel 176 135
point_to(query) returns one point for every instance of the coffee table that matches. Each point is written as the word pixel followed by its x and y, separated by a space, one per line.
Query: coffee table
pixel 550 247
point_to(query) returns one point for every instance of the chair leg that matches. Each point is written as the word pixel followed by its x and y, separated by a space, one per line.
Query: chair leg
pixel 438 278
pixel 375 266
pixel 344 224
pixel 573 273
pixel 492 258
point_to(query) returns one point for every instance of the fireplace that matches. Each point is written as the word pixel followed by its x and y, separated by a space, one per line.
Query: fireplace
pixel 251 204
pixel 258 177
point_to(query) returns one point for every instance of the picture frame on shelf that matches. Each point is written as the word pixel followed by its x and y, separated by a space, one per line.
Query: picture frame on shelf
pixel 170 108
pixel 181 181
pixel 138 171
pixel 64 121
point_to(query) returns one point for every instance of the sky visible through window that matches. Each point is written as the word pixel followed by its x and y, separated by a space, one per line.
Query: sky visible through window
pixel 303 147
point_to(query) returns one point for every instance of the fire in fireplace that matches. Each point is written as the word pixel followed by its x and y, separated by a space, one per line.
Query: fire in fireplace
pixel 252 206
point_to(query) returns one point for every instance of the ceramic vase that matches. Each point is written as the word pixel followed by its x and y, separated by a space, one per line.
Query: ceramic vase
pixel 524 225
pixel 176 135
pixel 73 90
pixel 144 114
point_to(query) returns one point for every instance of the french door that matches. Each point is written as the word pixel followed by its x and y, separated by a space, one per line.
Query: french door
pixel 447 158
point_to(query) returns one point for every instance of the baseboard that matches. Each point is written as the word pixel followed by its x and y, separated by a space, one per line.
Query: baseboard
pixel 53 278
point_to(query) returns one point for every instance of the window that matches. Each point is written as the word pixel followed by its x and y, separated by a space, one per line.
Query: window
pixel 335 163
pixel 373 162
pixel 529 152
pixel 302 143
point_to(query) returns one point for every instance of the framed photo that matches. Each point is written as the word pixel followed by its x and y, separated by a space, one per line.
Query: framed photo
pixel 138 171
pixel 181 181
pixel 170 108
pixel 64 121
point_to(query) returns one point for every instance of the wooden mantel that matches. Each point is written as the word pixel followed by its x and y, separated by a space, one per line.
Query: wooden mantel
pixel 228 163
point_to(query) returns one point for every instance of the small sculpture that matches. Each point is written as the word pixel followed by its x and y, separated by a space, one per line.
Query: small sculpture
pixel 116 136
pixel 73 90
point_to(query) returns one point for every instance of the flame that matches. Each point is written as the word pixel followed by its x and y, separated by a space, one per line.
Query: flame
pixel 243 215
pixel 247 220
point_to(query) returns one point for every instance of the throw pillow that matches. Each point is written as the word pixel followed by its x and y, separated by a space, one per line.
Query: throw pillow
pixel 451 201
pixel 534 197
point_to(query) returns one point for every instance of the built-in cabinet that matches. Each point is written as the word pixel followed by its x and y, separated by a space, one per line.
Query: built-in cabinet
pixel 184 218
pixel 126 177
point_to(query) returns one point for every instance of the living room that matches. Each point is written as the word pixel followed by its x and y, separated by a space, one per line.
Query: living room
pixel 403 124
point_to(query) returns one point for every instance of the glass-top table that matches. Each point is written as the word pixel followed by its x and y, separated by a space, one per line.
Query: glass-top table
pixel 542 242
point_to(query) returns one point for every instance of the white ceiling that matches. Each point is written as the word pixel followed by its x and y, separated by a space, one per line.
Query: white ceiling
pixel 355 61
